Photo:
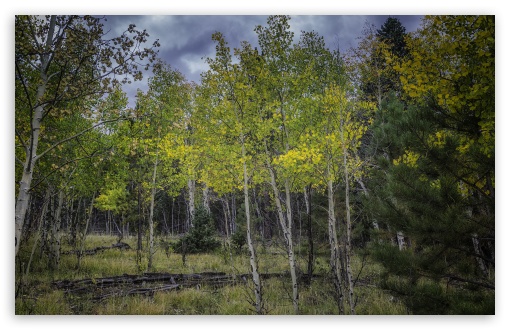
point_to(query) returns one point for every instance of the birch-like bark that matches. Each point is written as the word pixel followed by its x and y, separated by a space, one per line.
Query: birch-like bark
pixel 206 199
pixel 401 241
pixel 226 211
pixel 151 213
pixel 348 241
pixel 139 245
pixel 308 204
pixel 286 227
pixel 335 255
pixel 290 248
pixel 31 150
pixel 253 256
pixel 191 203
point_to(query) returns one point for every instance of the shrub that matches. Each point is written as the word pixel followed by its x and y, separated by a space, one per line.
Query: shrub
pixel 238 240
pixel 200 238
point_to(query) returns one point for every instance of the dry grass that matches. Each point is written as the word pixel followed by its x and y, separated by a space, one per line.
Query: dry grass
pixel 37 296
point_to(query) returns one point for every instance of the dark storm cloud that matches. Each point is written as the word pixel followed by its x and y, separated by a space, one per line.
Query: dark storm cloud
pixel 186 39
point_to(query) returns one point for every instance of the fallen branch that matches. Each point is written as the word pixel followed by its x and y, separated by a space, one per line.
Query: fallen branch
pixel 149 283
pixel 121 246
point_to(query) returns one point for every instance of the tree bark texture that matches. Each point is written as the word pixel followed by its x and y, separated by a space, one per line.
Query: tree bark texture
pixel 335 255
pixel 286 226
pixel 151 213
pixel 253 256
pixel 308 204
pixel 191 202
pixel 23 197
pixel 348 248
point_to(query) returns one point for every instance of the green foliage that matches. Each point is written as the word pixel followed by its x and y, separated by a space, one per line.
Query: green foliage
pixel 201 237
pixel 238 240
pixel 436 173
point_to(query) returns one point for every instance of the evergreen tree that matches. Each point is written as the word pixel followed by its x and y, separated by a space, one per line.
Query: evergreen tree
pixel 378 79
pixel 436 172
pixel 201 237
pixel 392 33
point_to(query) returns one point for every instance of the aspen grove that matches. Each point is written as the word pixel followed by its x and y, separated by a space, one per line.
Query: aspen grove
pixel 379 156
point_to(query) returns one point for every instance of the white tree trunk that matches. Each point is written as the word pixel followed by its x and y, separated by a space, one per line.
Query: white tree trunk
pixel 308 204
pixel 348 247
pixel 286 226
pixel 401 241
pixel 23 198
pixel 191 203
pixel 253 256
pixel 335 255
pixel 206 198
pixel 31 149
pixel 151 213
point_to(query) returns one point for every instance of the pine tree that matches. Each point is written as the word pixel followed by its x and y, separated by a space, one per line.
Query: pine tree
pixel 435 174
pixel 420 194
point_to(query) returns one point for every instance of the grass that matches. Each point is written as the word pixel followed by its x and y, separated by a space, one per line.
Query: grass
pixel 36 295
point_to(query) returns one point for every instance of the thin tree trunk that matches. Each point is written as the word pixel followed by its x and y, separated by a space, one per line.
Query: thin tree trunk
pixel 151 213
pixel 365 192
pixel 191 204
pixel 226 211
pixel 401 241
pixel 172 227
pixel 253 256
pixel 206 199
pixel 476 246
pixel 287 233
pixel 41 222
pixel 308 204
pixel 72 228
pixel 290 247
pixel 55 234
pixel 166 223
pixel 259 215
pixel 233 213
pixel 31 157
pixel 140 228
pixel 348 248
pixel 84 234
pixel 335 255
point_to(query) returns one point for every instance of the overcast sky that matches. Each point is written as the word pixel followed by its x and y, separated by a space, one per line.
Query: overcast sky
pixel 186 39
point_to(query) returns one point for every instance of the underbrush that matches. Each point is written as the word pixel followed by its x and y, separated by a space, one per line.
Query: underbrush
pixel 35 293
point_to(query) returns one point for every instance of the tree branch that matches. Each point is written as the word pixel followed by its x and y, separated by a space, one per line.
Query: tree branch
pixel 79 134
pixel 460 279
pixel 21 140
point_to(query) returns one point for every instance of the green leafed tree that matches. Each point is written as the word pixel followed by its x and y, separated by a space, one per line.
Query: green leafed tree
pixel 231 114
pixel 60 63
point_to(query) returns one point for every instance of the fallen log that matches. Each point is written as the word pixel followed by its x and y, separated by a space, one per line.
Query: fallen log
pixel 120 245
pixel 149 283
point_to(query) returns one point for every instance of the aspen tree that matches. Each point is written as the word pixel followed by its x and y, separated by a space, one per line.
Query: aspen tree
pixel 57 59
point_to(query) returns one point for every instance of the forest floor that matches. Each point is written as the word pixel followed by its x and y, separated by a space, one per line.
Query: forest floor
pixel 109 281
